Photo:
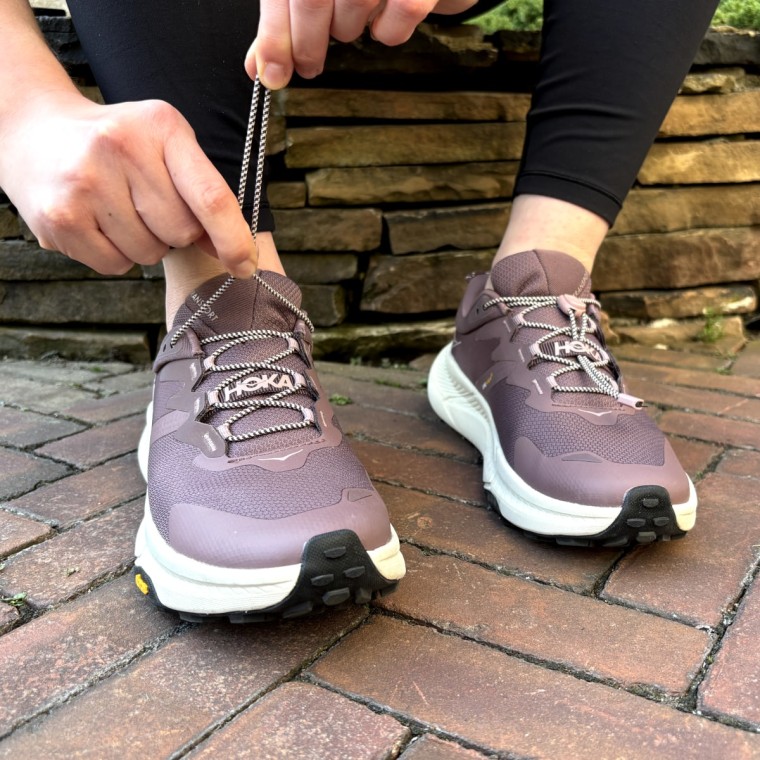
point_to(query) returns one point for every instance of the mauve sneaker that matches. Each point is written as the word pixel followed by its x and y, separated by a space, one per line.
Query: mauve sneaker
pixel 256 506
pixel 567 453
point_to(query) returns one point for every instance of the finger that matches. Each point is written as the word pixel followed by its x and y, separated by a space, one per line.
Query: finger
pixel 271 55
pixel 129 235
pixel 396 22
pixel 350 18
pixel 93 249
pixel 310 22
pixel 212 203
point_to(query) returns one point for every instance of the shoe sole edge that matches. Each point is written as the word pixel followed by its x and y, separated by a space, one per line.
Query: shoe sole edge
pixel 450 389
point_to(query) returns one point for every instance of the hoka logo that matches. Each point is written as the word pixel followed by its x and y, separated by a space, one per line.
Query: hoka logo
pixel 576 348
pixel 257 384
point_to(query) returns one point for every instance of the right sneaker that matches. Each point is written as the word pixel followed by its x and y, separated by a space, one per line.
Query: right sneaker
pixel 567 454
pixel 256 507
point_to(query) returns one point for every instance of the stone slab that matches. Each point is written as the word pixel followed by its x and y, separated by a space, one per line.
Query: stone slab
pixel 375 341
pixel 9 226
pixel 727 114
pixel 423 283
pixel 23 260
pixel 675 304
pixel 325 304
pixel 407 106
pixel 430 50
pixel 727 46
pixel 83 302
pixel 678 259
pixel 327 229
pixel 695 163
pixel 286 194
pixel 687 208
pixel 464 227
pixel 715 81
pixel 320 268
pixel 371 185
pixel 318 147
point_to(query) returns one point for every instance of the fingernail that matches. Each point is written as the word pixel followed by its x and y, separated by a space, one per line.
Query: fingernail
pixel 274 76
pixel 244 271
pixel 310 73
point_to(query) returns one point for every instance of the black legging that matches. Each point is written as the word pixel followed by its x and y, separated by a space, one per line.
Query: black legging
pixel 608 73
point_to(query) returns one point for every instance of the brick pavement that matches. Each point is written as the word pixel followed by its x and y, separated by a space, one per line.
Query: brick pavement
pixel 494 646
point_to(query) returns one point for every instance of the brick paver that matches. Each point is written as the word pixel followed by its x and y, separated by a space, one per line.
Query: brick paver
pixel 301 722
pixel 98 444
pixel 502 703
pixel 557 626
pixel 493 646
pixel 21 472
pixel 22 429
pixel 732 686
pixel 85 494
pixel 698 578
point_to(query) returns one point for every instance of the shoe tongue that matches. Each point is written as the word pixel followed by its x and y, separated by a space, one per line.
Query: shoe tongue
pixel 248 305
pixel 550 273
pixel 244 305
pixel 541 273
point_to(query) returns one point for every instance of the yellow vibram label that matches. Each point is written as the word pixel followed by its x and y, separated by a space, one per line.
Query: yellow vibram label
pixel 141 584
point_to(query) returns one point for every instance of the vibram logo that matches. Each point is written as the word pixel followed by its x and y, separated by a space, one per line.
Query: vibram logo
pixel 141 584
pixel 487 382
pixel 256 383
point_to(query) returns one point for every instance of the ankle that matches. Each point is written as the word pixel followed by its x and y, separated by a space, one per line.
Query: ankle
pixel 187 268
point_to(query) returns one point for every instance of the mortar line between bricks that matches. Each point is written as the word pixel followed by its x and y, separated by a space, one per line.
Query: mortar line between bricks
pixel 650 693
pixel 429 492
pixel 291 675
pixel 365 438
pixel 416 725
pixel 665 700
pixel 119 664
pixel 50 521
pixel 721 630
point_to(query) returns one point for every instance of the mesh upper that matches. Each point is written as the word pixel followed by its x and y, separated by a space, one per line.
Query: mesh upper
pixel 633 439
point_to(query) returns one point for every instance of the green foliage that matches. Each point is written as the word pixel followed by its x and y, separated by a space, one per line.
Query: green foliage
pixel 744 14
pixel 526 15
pixel 339 400
pixel 518 15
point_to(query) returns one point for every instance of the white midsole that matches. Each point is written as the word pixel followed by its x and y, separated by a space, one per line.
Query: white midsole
pixel 458 403
pixel 186 584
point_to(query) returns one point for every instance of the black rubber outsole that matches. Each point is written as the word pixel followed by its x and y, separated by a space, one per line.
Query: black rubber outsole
pixel 335 571
pixel 646 517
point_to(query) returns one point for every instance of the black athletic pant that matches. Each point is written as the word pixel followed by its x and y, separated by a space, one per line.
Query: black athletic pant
pixel 609 71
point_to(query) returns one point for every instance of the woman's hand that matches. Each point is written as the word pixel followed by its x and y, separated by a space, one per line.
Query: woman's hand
pixel 111 186
pixel 294 35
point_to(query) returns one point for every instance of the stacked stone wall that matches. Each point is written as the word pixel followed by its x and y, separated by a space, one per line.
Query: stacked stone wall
pixel 391 180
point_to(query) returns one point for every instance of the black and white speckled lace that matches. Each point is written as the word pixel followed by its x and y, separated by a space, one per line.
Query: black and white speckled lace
pixel 580 352
pixel 265 383
pixel 258 88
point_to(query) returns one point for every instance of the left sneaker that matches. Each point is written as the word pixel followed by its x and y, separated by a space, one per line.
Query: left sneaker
pixel 567 453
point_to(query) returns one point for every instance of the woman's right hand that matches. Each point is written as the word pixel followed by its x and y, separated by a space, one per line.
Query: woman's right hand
pixel 111 186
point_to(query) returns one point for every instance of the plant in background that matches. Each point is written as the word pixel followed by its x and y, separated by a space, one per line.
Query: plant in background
pixel 526 15
pixel 744 14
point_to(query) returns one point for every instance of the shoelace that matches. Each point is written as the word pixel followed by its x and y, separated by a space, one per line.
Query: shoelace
pixel 242 381
pixel 586 355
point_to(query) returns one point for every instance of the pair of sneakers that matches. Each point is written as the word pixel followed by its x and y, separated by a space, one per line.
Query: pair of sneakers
pixel 258 509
